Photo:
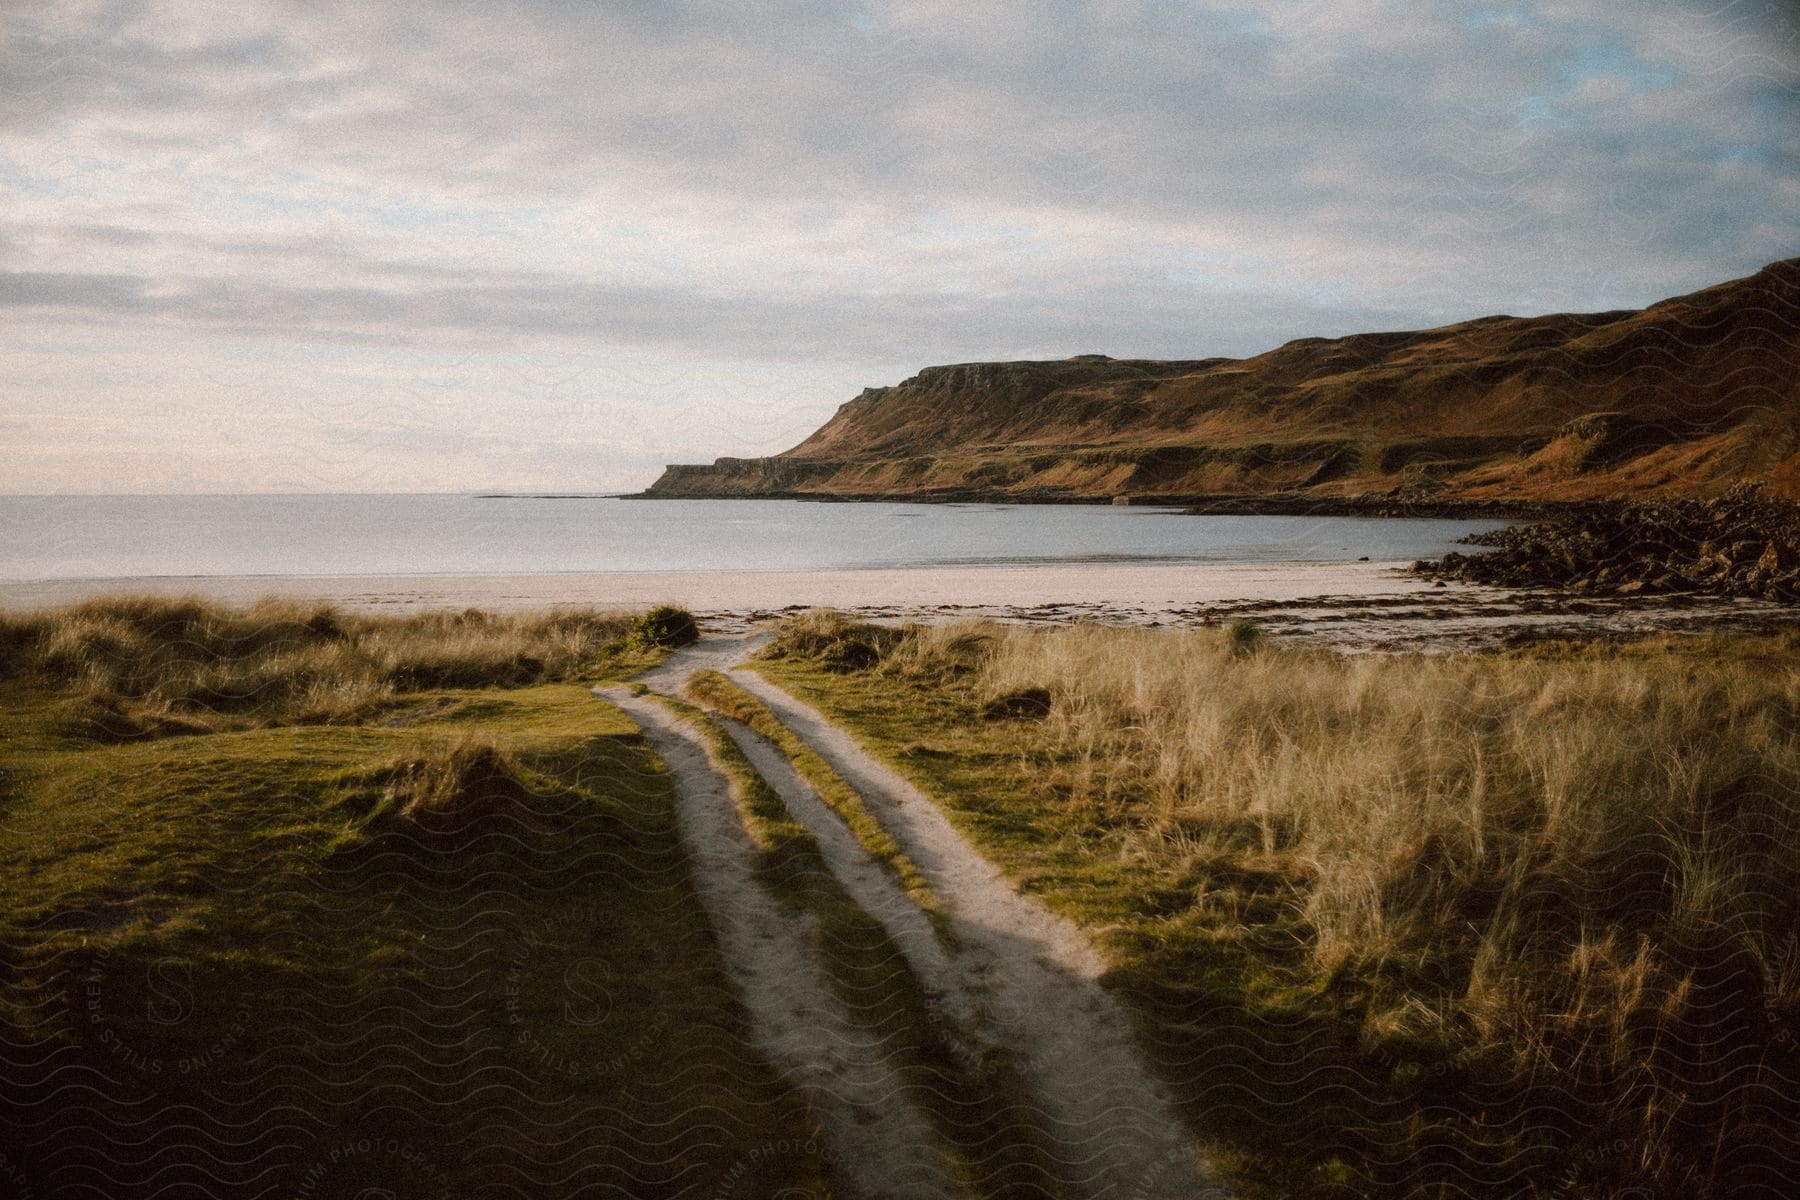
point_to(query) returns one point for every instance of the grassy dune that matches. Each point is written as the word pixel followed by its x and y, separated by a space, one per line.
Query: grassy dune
pixel 438 940
pixel 1500 925
pixel 131 666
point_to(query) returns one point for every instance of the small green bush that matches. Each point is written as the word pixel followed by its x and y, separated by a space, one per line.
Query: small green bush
pixel 664 627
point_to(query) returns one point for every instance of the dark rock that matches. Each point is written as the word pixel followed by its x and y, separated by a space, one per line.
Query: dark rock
pixel 1742 543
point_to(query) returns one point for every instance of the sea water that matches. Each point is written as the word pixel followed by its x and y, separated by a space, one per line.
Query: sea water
pixel 107 537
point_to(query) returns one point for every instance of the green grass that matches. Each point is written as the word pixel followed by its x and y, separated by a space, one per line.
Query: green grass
pixel 975 1103
pixel 1507 924
pixel 452 951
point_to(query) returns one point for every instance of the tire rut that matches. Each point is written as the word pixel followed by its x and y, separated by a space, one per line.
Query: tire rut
pixel 876 1142
pixel 1032 979
pixel 1017 978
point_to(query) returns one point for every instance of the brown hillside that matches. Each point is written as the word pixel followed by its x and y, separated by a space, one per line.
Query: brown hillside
pixel 1682 398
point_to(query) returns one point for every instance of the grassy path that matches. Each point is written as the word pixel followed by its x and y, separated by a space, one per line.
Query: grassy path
pixel 1015 985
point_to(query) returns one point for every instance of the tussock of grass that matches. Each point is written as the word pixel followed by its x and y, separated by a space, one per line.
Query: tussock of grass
pixel 1566 877
pixel 664 628
pixel 1243 637
pixel 147 666
pixel 831 640
pixel 457 790
pixel 1021 704
pixel 951 651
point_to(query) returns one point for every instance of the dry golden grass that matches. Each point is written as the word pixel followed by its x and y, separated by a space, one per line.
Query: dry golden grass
pixel 1514 795
pixel 146 665
pixel 1576 866
pixel 832 640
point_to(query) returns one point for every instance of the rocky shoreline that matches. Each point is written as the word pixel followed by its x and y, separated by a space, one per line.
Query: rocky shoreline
pixel 1743 544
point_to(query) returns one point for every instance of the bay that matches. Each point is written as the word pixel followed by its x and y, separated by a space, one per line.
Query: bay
pixel 107 537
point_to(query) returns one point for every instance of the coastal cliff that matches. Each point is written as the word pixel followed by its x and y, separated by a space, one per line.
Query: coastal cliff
pixel 1683 398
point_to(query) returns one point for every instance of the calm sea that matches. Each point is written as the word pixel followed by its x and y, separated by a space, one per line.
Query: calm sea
pixel 102 537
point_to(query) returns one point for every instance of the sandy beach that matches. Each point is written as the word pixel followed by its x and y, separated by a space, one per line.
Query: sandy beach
pixel 1145 588
pixel 1356 606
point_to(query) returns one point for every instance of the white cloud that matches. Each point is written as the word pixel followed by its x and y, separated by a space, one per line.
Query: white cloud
pixel 824 195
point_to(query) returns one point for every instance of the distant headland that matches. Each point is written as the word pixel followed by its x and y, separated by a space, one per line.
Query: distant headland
pixel 1683 398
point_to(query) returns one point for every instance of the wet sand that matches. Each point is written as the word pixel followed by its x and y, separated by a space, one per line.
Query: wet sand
pixel 1357 606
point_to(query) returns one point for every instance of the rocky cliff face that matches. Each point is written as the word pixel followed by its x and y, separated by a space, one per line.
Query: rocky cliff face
pixel 1685 397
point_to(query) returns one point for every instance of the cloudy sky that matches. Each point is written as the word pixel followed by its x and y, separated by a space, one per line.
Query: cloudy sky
pixel 260 246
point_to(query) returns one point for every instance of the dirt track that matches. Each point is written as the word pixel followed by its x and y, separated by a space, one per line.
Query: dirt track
pixel 1011 976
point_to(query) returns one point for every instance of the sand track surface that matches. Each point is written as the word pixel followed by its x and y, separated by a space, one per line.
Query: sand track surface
pixel 1035 978
pixel 1011 975
pixel 877 1144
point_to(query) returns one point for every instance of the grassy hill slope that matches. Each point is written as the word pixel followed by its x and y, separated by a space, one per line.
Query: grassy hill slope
pixel 1682 398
